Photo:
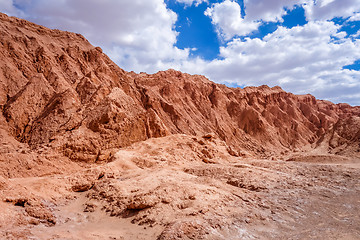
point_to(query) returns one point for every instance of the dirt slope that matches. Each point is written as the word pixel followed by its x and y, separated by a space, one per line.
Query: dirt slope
pixel 90 151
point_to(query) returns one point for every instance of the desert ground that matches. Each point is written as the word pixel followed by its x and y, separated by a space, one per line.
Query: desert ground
pixel 184 187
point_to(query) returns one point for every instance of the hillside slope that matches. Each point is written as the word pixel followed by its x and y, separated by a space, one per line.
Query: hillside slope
pixel 58 90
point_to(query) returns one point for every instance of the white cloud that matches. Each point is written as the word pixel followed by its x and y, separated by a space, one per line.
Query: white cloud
pixel 327 10
pixel 357 34
pixel 139 35
pixel 269 10
pixel 191 2
pixel 7 7
pixel 355 17
pixel 226 16
pixel 303 59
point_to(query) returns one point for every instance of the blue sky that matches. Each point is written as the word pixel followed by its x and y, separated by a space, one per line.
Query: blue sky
pixel 196 30
pixel 304 46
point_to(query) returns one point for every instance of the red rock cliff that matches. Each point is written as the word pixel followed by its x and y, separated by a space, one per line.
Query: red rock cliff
pixel 59 91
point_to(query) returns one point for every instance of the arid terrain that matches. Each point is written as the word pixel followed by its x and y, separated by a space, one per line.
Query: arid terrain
pixel 90 151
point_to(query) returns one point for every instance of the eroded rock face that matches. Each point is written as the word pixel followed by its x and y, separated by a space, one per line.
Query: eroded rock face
pixel 57 89
pixel 343 137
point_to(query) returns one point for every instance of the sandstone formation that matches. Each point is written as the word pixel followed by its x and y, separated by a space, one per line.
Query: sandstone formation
pixel 85 145
pixel 59 90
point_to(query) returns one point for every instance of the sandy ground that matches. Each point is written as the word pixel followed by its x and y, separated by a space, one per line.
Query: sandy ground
pixel 164 188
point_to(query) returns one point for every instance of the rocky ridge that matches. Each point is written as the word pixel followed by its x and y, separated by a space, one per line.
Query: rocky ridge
pixel 59 90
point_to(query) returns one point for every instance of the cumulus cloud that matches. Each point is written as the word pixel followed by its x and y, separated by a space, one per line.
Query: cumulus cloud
pixel 355 17
pixel 139 35
pixel 7 6
pixel 329 9
pixel 226 16
pixel 270 10
pixel 357 34
pixel 304 59
pixel 191 2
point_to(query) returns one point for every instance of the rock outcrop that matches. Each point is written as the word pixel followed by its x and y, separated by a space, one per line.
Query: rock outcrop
pixel 60 91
